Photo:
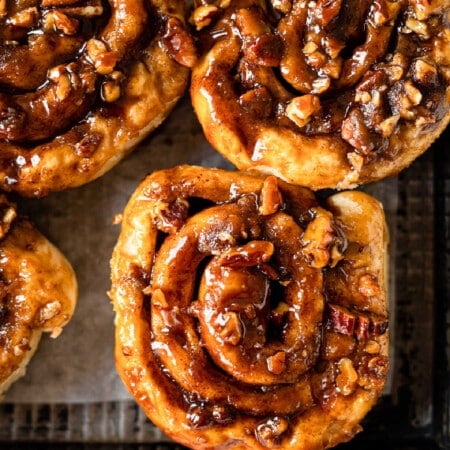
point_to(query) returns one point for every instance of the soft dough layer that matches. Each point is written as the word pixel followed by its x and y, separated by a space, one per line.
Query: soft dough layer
pixel 248 313
pixel 38 292
pixel 325 94
pixel 82 82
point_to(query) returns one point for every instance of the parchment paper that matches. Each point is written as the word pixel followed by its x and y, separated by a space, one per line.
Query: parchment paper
pixel 78 366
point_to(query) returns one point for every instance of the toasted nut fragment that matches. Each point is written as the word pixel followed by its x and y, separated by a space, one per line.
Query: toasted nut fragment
pixel 316 59
pixel 318 238
pixel 62 22
pixel 170 217
pixel 104 63
pixel 363 97
pixel 368 285
pixel 388 125
pixel 203 16
pixel 270 199
pixel 301 109
pixel 320 85
pixel 179 43
pixel 414 95
pixel 394 72
pixel 341 319
pixel 25 18
pixel 8 215
pixel 418 27
pixel 87 146
pixel 332 46
pixel 231 328
pixel 94 48
pixel 270 431
pixel 380 13
pixel 276 364
pixel 347 378
pixel 333 68
pixel 3 10
pixel 362 328
pixel 424 73
pixel 356 133
pixel 372 347
pixel 110 91
pixel 284 6
pixel 310 47
pixel 422 8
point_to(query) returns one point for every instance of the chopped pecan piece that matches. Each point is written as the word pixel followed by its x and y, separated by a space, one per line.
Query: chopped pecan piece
pixel 25 18
pixel 270 431
pixel 110 91
pixel 179 43
pixel 424 73
pixel 341 319
pixel 356 133
pixel 271 199
pixel 301 109
pixel 318 238
pixel 62 22
pixel 368 285
pixel 170 217
pixel 202 16
pixel 347 377
pixel 276 363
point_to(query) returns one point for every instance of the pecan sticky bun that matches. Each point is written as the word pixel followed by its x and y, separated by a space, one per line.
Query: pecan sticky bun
pixel 82 82
pixel 325 94
pixel 249 315
pixel 38 292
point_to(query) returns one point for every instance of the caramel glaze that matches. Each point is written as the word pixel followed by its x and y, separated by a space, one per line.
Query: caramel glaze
pixel 248 313
pixel 38 292
pixel 82 83
pixel 323 94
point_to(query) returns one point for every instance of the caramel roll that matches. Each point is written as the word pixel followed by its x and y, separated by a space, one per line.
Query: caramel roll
pixel 82 82
pixel 249 314
pixel 38 292
pixel 324 94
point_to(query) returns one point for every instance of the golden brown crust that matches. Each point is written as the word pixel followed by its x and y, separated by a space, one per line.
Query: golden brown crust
pixel 322 94
pixel 92 82
pixel 229 328
pixel 38 293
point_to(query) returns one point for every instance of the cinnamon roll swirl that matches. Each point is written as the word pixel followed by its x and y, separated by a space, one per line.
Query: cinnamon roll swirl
pixel 325 94
pixel 82 82
pixel 38 292
pixel 248 313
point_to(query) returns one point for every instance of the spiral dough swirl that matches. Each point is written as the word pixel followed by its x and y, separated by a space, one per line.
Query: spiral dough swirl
pixel 248 313
pixel 81 83
pixel 325 94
